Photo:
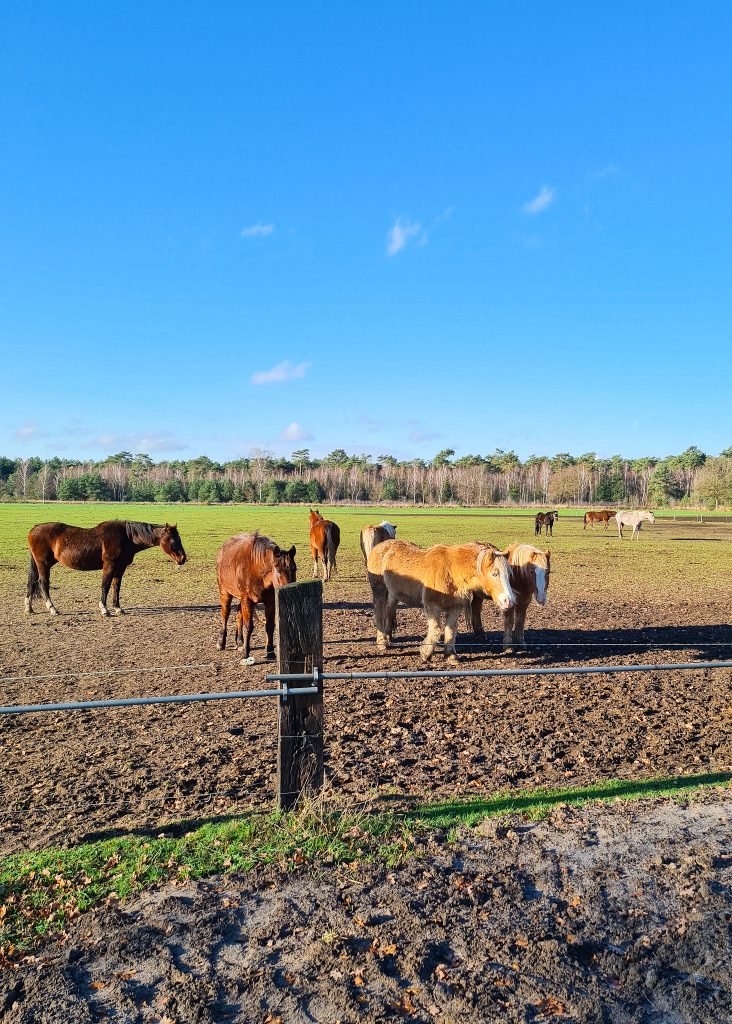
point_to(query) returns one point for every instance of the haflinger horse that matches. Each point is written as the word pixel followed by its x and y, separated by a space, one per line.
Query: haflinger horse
pixel 441 580
pixel 545 519
pixel 529 571
pixel 109 546
pixel 634 520
pixel 249 566
pixel 325 536
pixel 598 517
pixel 373 535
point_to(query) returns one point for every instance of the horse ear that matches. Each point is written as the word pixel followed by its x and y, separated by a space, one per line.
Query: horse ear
pixel 548 554
pixel 276 551
pixel 503 554
pixel 293 551
pixel 167 526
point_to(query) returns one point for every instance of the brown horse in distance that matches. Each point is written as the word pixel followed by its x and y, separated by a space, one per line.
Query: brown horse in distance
pixel 325 536
pixel 545 519
pixel 249 567
pixel 110 546
pixel 598 517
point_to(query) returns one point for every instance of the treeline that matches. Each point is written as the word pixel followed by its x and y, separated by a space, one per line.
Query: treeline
pixel 691 478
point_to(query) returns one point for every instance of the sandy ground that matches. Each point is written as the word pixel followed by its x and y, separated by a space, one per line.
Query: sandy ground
pixel 613 914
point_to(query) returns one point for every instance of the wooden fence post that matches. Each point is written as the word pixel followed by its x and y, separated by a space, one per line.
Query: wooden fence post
pixel 299 645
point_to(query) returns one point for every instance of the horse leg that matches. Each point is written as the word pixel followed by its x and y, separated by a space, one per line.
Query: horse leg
pixel 246 610
pixel 108 572
pixel 268 598
pixel 116 584
pixel 427 649
pixel 44 583
pixel 451 621
pixel 508 616
pixel 314 553
pixel 519 620
pixel 239 635
pixel 225 609
pixel 390 617
pixel 476 620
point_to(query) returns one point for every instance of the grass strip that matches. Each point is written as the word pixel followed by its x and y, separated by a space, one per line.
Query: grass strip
pixel 42 892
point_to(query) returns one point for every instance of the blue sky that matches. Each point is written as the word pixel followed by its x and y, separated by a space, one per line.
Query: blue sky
pixel 382 227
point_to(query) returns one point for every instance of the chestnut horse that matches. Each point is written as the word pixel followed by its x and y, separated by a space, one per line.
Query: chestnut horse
pixel 529 571
pixel 249 567
pixel 441 580
pixel 325 537
pixel 545 519
pixel 110 546
pixel 598 517
pixel 373 535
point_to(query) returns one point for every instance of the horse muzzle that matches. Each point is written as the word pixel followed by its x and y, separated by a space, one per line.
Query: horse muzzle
pixel 506 602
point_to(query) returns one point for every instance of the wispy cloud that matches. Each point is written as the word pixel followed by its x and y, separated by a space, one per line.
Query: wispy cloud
pixel 150 441
pixel 295 432
pixel 544 198
pixel 609 171
pixel 257 230
pixel 29 431
pixel 280 373
pixel 401 233
pixel 422 436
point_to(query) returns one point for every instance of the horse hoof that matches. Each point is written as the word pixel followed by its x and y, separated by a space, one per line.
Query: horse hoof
pixel 52 611
pixel 221 645
pixel 117 611
pixel 453 659
pixel 28 608
pixel 270 656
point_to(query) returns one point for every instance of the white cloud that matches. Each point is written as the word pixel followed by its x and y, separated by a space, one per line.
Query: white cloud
pixel 29 431
pixel 284 371
pixel 422 436
pixel 151 441
pixel 295 432
pixel 545 197
pixel 257 230
pixel 401 233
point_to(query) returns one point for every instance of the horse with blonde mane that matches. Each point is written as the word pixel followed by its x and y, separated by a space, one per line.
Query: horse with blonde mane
pixel 441 580
pixel 325 536
pixel 373 535
pixel 249 566
pixel 529 571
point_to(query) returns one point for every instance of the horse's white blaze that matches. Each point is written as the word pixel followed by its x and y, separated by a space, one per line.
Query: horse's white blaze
pixel 540 574
pixel 508 598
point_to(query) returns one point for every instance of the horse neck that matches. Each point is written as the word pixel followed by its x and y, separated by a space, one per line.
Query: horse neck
pixel 149 539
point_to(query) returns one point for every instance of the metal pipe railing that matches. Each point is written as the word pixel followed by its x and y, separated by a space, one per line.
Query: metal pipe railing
pixel 501 673
pixel 183 698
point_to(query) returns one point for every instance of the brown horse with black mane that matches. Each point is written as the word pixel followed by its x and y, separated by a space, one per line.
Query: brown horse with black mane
pixel 545 519
pixel 249 567
pixel 598 517
pixel 325 536
pixel 109 546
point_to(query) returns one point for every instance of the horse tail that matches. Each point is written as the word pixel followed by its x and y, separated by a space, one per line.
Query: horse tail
pixel 34 583
pixel 585 521
pixel 330 551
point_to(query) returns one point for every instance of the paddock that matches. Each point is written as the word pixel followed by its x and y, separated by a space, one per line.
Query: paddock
pixel 388 743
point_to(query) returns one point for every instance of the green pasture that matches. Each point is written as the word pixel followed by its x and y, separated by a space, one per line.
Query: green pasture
pixel 674 561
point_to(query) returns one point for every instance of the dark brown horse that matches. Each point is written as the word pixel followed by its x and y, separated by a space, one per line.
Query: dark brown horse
pixel 110 546
pixel 325 536
pixel 545 519
pixel 598 517
pixel 249 567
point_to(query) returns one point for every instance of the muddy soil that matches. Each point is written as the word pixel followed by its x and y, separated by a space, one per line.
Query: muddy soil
pixel 615 914
pixel 67 778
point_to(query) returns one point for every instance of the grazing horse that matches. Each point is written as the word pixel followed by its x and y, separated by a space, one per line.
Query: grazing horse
pixel 635 520
pixel 325 536
pixel 109 546
pixel 598 517
pixel 545 519
pixel 249 567
pixel 529 571
pixel 441 580
pixel 373 535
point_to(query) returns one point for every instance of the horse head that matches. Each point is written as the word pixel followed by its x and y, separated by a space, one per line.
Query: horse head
pixel 284 570
pixel 541 560
pixel 171 544
pixel 493 570
pixel 315 517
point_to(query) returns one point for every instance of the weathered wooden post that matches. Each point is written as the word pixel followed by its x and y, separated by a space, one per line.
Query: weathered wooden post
pixel 299 646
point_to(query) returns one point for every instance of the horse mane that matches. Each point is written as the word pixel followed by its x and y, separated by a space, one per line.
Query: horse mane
pixel 259 548
pixel 141 533
pixel 522 555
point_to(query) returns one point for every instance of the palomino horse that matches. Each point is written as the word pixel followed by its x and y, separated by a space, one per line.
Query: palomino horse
pixel 325 537
pixel 529 571
pixel 110 546
pixel 249 567
pixel 598 517
pixel 545 519
pixel 440 579
pixel 373 535
pixel 635 520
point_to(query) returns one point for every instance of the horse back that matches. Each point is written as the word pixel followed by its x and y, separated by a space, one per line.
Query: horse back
pixel 78 547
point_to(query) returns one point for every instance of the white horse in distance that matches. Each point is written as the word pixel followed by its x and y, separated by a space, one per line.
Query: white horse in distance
pixel 634 519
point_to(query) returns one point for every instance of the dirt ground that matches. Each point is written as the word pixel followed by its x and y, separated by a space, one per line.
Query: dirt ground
pixel 613 914
pixel 68 778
